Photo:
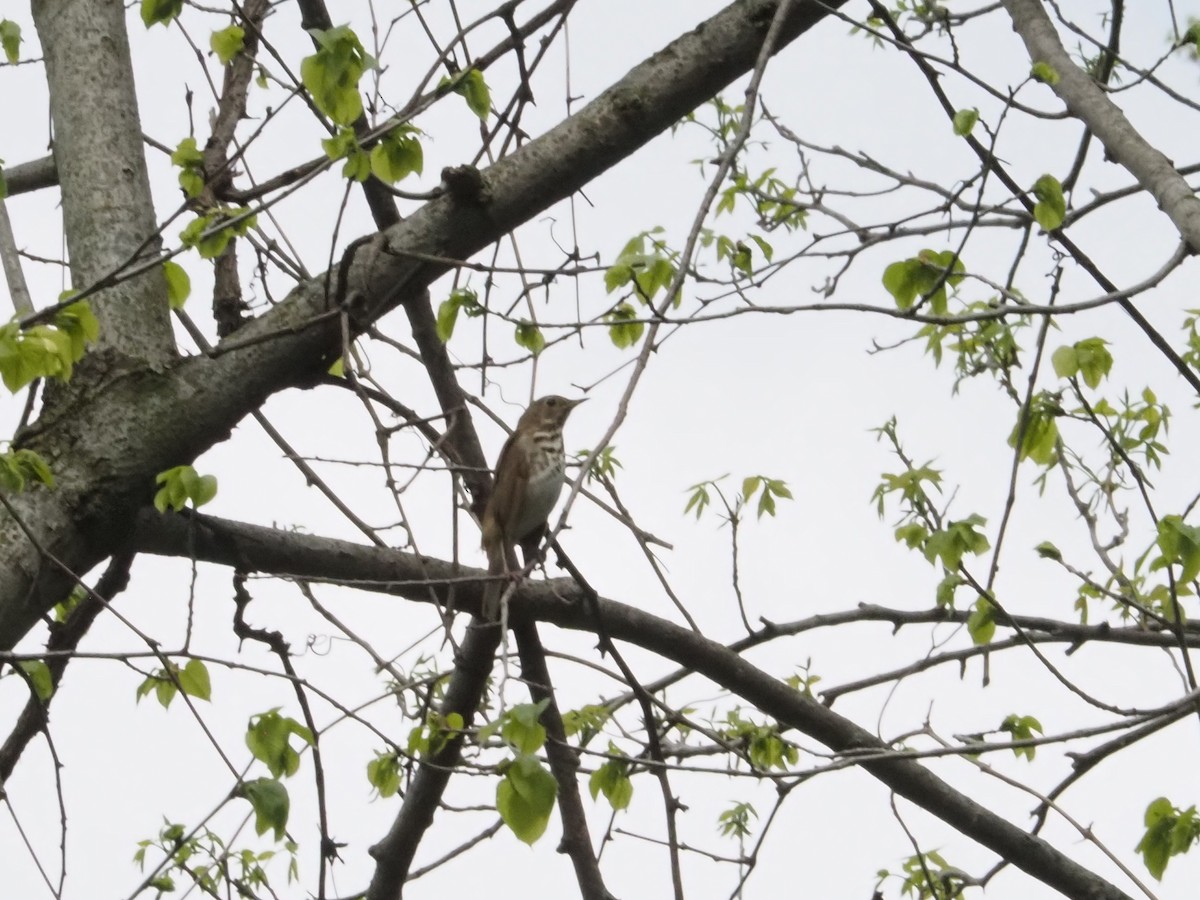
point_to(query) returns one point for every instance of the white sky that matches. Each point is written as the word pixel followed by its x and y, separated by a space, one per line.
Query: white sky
pixel 790 397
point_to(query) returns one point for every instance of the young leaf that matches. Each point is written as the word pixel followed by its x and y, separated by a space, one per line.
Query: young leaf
pixel 331 74
pixel 964 121
pixel 397 155
pixel 1180 544
pixel 525 797
pixel 981 624
pixel 530 337
pixel 612 780
pixel 383 772
pixel 1065 362
pixel 1095 362
pixel 227 43
pixel 181 484
pixel 624 330
pixel 267 737
pixel 472 86
pixel 19 467
pixel 269 798
pixel 1051 208
pixel 193 679
pixel 1047 550
pixel 1045 73
pixel 10 42
pixel 160 12
pixel 1022 728
pixel 179 285
pixel 521 729
pixel 39 677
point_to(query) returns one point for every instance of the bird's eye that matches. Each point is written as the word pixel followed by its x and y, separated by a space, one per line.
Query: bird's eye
pixel 552 401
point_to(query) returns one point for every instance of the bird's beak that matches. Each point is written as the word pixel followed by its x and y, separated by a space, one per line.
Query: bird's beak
pixel 575 403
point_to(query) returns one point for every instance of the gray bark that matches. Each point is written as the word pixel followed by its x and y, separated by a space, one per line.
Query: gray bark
pixel 1122 142
pixel 106 451
pixel 108 213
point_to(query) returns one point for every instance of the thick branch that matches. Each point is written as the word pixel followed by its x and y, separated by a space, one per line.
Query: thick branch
pixel 561 602
pixel 1089 103
pixel 108 213
pixel 142 424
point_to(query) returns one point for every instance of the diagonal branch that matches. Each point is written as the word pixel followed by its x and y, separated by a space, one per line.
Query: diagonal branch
pixel 1088 102
pixel 562 602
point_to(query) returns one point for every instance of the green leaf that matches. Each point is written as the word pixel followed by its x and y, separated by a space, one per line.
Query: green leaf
pixel 39 677
pixel 1047 550
pixel 79 323
pixel 624 330
pixel 944 595
pixel 913 534
pixel 179 285
pixel 699 498
pixel 269 798
pixel 924 276
pixel 165 691
pixel 46 351
pixel 193 679
pixel 525 797
pixel 1169 832
pixel 1022 728
pixel 1065 362
pixel 343 143
pixel 473 88
pixel 267 737
pixel 749 486
pixel 530 337
pixel 1039 440
pixel 612 780
pixel 10 42
pixel 981 624
pixel 227 43
pixel 211 233
pixel 180 485
pixel 735 822
pixel 1045 73
pixel 332 74
pixel 383 772
pixel 447 315
pixel 1095 362
pixel 204 489
pixel 767 250
pixel 18 467
pixel 521 729
pixel 160 12
pixel 1192 36
pixel 1180 544
pixel 397 155
pixel 964 121
pixel 1051 208
pixel 956 540
pixel 162 682
pixel 648 272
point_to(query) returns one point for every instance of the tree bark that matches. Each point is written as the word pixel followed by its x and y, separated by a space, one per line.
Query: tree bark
pixel 107 451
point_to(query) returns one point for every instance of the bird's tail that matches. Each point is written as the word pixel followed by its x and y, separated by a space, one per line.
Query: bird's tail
pixel 493 591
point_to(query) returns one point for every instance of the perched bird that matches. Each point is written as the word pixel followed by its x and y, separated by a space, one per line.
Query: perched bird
pixel 530 473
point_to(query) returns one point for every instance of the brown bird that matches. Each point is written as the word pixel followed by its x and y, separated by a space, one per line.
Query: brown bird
pixel 530 473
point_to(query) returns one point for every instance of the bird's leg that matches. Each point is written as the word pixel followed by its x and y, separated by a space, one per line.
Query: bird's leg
pixel 534 552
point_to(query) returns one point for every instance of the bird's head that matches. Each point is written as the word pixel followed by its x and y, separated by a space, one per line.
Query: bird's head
pixel 551 410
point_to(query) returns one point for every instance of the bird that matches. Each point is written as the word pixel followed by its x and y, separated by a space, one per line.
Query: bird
pixel 530 473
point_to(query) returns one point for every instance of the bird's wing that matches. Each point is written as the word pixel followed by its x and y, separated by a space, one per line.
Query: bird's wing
pixel 512 476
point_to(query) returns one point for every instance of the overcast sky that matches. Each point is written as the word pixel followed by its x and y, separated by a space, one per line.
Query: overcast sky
pixel 793 397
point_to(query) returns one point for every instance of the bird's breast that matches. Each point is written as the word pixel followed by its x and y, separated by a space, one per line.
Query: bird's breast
pixel 541 493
